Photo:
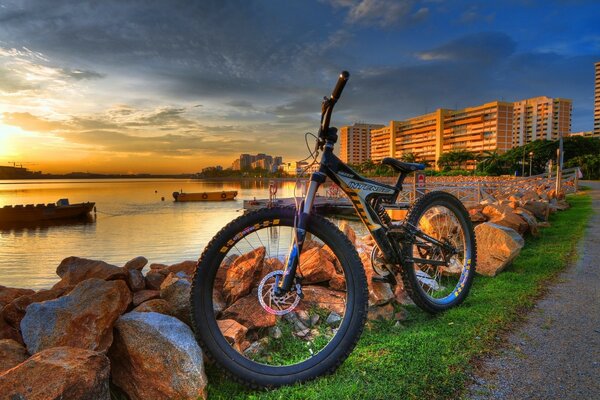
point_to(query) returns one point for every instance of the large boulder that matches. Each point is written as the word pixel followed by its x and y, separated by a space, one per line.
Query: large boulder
pixel 58 373
pixel 14 312
pixel 529 218
pixel 8 332
pixel 234 332
pixel 145 295
pixel 323 298
pixel 188 267
pixel 12 353
pixel 348 231
pixel 248 312
pixel 316 266
pixel 505 216
pixel 540 209
pixel 241 274
pixel 156 356
pixel 8 294
pixel 176 291
pixel 135 280
pixel 157 305
pixel 84 318
pixel 73 270
pixel 154 278
pixel 497 246
pixel 137 263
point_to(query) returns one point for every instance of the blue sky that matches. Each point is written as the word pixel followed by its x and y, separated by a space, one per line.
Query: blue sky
pixel 157 86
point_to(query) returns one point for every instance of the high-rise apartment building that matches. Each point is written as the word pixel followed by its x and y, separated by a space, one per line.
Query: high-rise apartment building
pixel 541 118
pixel 597 101
pixel 476 129
pixel 355 142
pixel 261 160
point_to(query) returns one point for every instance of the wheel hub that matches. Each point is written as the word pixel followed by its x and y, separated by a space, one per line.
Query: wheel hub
pixel 273 304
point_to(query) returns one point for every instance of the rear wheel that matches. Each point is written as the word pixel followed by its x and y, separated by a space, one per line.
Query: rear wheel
pixel 439 277
pixel 264 340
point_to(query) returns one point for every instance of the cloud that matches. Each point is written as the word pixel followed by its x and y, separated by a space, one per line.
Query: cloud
pixel 484 47
pixel 382 13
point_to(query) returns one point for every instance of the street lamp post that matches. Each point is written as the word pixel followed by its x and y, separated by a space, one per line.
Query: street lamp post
pixel 530 160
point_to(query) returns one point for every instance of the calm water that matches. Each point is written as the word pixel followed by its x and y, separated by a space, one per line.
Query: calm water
pixel 131 220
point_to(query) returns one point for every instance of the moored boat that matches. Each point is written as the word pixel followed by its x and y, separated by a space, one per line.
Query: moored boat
pixel 44 212
pixel 205 196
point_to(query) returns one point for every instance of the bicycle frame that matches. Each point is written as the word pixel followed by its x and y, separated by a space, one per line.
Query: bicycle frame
pixel 367 197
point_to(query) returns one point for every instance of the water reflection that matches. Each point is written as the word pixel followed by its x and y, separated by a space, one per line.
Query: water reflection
pixel 132 219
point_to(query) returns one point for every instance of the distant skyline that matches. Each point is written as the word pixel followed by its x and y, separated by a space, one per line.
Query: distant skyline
pixel 172 87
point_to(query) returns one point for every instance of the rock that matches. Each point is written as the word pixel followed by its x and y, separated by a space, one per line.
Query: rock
pixel 12 353
pixel 8 332
pixel 321 297
pixel 8 294
pixel 275 332
pixel 84 318
pixel 218 302
pixel 529 218
pixel 348 231
pixel 560 205
pixel 505 216
pixel 58 373
pixel 539 208
pixel 497 246
pixel 154 278
pixel 155 305
pixel 73 270
pixel 157 267
pixel 379 292
pixel 176 291
pixel 338 282
pixel 248 312
pixel 315 266
pixel 400 294
pixel 135 280
pixel 384 312
pixel 188 267
pixel 137 263
pixel 401 315
pixel 156 356
pixel 234 332
pixel 14 312
pixel 477 216
pixel 333 319
pixel 241 274
pixel 530 195
pixel 144 295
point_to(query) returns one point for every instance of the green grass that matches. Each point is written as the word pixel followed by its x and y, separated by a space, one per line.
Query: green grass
pixel 431 357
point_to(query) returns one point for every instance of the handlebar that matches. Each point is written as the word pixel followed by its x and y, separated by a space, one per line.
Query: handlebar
pixel 328 103
pixel 337 91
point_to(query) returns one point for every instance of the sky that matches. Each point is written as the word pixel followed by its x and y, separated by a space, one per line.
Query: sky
pixel 174 86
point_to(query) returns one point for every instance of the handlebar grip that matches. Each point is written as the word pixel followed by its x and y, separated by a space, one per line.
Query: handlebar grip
pixel 337 91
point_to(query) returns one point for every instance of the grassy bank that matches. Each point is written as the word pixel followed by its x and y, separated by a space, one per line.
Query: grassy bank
pixel 431 357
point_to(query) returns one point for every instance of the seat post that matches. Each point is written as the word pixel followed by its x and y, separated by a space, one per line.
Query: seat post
pixel 400 180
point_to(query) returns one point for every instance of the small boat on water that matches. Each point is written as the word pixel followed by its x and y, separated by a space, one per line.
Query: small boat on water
pixel 44 212
pixel 205 196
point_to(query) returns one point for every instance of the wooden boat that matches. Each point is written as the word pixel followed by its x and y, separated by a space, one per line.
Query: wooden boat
pixel 205 196
pixel 44 212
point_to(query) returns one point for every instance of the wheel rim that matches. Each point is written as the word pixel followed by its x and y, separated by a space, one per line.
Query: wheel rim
pixel 441 284
pixel 253 323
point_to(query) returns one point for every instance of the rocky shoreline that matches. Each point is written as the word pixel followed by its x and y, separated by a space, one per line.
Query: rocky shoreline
pixel 103 323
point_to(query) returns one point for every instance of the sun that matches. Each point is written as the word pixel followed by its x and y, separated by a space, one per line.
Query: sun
pixel 8 137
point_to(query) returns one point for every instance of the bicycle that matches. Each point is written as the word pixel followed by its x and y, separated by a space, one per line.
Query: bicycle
pixel 272 315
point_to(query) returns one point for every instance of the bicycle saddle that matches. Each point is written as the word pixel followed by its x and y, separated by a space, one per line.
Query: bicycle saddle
pixel 402 166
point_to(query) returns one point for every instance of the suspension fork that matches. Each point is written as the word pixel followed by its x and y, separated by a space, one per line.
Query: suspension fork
pixel 302 214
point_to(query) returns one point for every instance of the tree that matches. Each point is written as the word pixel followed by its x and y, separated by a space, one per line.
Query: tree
pixel 408 157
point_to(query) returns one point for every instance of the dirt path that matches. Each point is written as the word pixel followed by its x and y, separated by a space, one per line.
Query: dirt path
pixel 555 354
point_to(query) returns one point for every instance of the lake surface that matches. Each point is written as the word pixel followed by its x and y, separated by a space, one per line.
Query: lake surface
pixel 131 220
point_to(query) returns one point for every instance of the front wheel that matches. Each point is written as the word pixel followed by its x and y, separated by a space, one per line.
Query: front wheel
pixel 439 276
pixel 265 340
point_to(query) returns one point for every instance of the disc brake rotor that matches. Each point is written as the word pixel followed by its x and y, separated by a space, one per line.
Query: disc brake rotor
pixel 278 305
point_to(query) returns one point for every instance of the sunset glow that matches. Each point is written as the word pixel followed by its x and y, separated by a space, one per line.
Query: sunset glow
pixel 128 89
